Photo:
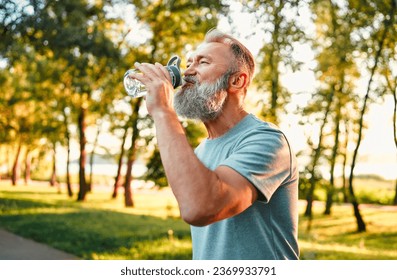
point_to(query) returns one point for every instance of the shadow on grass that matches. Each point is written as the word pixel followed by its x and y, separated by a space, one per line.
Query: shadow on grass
pixel 335 237
pixel 97 234
pixel 30 192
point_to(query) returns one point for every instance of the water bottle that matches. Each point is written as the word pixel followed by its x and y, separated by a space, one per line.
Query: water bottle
pixel 136 89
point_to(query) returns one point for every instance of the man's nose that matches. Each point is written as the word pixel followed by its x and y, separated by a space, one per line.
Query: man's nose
pixel 190 71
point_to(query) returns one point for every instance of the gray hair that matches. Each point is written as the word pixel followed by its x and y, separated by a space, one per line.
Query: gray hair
pixel 243 58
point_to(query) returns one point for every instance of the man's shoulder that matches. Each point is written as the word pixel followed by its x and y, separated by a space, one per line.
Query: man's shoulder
pixel 260 129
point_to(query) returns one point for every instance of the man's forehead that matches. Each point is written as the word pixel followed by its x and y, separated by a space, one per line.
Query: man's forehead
pixel 212 49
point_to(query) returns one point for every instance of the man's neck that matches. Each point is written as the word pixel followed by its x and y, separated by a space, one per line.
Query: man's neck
pixel 227 120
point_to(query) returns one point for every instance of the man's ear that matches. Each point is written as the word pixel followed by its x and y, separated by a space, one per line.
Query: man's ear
pixel 239 80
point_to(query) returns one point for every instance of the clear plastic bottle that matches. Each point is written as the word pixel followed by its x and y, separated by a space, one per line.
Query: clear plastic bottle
pixel 136 89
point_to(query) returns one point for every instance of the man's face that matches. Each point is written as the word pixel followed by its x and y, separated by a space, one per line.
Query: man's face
pixel 204 90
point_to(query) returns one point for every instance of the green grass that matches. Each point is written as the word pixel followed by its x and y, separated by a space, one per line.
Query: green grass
pixel 335 237
pixel 102 228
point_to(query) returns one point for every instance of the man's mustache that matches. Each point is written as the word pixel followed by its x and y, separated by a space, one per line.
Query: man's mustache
pixel 190 79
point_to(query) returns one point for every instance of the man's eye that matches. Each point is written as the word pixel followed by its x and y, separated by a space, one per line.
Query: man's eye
pixel 203 62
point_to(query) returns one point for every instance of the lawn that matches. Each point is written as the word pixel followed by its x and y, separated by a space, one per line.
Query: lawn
pixel 102 228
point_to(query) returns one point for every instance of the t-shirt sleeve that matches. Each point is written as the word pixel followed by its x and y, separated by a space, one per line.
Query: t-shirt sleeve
pixel 263 157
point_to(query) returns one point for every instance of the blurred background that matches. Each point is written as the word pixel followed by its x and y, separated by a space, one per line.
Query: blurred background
pixel 326 75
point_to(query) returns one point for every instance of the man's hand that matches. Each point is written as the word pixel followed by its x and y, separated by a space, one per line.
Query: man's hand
pixel 155 77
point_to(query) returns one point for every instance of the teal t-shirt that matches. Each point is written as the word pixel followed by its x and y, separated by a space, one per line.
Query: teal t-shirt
pixel 260 152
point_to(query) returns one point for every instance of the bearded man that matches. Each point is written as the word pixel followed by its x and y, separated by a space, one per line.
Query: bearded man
pixel 239 188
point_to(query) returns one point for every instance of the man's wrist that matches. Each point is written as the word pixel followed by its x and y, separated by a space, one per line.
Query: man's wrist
pixel 161 114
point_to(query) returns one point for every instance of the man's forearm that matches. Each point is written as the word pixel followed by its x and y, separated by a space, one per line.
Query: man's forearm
pixel 193 184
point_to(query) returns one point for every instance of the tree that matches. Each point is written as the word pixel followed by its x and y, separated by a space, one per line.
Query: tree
pixel 24 119
pixel 379 36
pixel 393 89
pixel 66 122
pixel 74 34
pixel 128 200
pixel 117 179
pixel 336 72
pixel 387 63
pixel 274 21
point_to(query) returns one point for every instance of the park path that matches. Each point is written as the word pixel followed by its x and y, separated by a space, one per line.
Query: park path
pixel 14 247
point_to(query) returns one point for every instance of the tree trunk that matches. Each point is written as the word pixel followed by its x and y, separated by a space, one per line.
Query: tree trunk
pixel 344 180
pixel 395 194
pixel 82 127
pixel 92 158
pixel 8 161
pixel 68 180
pixel 394 93
pixel 129 202
pixel 275 62
pixel 53 180
pixel 16 167
pixel 331 189
pixel 28 165
pixel 395 135
pixel 316 157
pixel 117 179
pixel 67 136
pixel 361 227
pixel 275 93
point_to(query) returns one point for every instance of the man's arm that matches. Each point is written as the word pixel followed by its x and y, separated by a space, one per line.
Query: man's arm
pixel 204 196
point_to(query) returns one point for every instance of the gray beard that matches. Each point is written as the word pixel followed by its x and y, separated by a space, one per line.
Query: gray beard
pixel 201 101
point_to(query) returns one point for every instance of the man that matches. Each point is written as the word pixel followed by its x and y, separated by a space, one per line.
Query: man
pixel 238 189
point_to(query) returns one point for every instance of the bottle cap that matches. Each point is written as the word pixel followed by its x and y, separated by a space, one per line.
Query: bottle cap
pixel 173 67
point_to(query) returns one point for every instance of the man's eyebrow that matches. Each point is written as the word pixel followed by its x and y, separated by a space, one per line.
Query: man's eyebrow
pixel 198 57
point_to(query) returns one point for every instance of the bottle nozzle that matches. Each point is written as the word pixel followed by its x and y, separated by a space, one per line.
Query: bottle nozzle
pixel 173 67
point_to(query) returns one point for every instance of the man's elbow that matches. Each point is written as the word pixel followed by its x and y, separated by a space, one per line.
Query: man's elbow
pixel 197 218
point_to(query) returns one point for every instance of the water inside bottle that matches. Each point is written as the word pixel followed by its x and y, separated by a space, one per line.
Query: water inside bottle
pixel 133 87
